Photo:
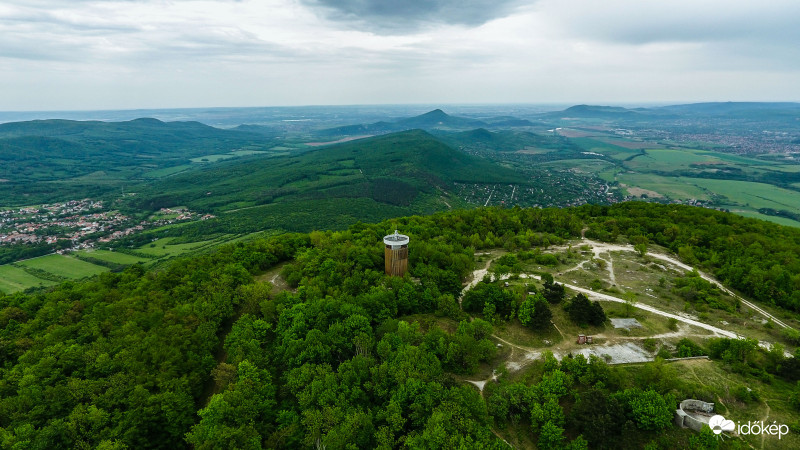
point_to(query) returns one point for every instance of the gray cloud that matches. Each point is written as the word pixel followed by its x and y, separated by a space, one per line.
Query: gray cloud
pixel 142 53
pixel 637 22
pixel 406 16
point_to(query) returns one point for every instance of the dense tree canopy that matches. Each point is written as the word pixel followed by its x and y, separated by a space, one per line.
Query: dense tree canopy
pixel 200 353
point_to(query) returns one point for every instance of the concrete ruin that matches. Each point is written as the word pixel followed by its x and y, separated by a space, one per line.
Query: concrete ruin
pixel 693 414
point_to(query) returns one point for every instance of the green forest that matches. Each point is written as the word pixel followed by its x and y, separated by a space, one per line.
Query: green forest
pixel 207 353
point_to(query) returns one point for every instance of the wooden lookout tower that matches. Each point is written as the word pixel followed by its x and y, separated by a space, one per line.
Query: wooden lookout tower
pixel 396 254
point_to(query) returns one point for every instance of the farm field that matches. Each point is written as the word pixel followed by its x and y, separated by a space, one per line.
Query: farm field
pixel 757 215
pixel 754 195
pixel 222 156
pixel 64 266
pixel 162 247
pixel 597 146
pixel 113 257
pixel 670 159
pixel 13 279
pixel 673 187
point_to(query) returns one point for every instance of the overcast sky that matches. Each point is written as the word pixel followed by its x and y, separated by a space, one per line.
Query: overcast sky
pixel 121 54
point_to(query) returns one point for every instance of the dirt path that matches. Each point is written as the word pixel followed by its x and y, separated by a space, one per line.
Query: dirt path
pixel 516 361
pixel 220 355
pixel 579 266
pixel 683 331
pixel 765 420
pixel 602 247
pixel 605 297
pixel 477 276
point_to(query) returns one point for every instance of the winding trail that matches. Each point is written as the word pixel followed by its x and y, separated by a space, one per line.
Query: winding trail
pixel 602 247
pixel 610 298
pixel 765 420
pixel 529 354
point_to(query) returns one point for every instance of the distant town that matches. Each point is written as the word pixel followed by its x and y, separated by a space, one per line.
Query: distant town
pixel 80 224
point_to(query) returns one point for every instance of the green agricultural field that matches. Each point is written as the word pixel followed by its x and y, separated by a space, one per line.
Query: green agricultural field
pixel 610 174
pixel 222 156
pixel 614 151
pixel 14 279
pixel 64 266
pixel 114 257
pixel 669 159
pixel 737 159
pixel 789 168
pixel 757 215
pixel 677 188
pixel 162 247
pixel 752 195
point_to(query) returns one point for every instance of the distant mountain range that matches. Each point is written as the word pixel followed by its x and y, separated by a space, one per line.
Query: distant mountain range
pixel 433 120
pixel 741 110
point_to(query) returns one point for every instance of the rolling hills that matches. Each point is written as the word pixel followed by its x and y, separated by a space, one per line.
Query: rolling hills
pixel 407 172
pixel 45 160
pixel 432 120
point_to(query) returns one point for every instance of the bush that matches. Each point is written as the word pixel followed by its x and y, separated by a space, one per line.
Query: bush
pixel 745 395
pixel 686 348
pixel 672 324
pixel 791 335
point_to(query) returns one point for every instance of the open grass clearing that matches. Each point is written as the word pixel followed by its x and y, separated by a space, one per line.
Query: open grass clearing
pixel 754 195
pixel 757 215
pixel 163 248
pixel 229 155
pixel 64 266
pixel 13 279
pixel 678 188
pixel 113 257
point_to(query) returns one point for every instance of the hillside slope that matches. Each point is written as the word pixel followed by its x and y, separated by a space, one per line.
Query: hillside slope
pixel 380 177
pixel 36 153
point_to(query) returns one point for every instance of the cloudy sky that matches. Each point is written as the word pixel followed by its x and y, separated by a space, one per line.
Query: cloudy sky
pixel 120 54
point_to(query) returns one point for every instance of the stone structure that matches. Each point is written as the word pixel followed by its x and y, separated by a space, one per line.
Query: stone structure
pixel 693 414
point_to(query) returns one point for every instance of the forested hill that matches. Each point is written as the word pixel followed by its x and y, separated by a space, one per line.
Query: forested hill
pixel 81 158
pixel 369 180
pixel 206 353
pixel 436 119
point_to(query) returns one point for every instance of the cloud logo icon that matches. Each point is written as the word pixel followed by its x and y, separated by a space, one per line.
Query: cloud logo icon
pixel 719 424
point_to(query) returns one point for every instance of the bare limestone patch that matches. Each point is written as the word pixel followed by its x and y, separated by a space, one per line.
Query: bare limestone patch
pixel 626 352
pixel 626 323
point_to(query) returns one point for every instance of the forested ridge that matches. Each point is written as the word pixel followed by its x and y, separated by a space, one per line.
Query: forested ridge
pixel 201 354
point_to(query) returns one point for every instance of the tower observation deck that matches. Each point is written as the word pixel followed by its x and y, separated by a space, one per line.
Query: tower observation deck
pixel 396 254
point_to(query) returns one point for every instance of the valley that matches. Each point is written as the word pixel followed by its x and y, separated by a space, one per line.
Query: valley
pixel 226 286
